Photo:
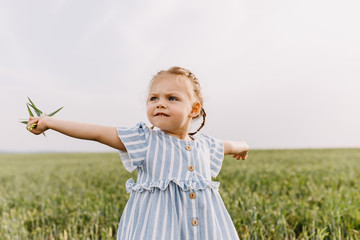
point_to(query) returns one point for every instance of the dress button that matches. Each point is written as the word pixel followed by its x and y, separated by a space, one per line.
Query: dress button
pixel 192 195
pixel 191 168
pixel 195 222
pixel 188 147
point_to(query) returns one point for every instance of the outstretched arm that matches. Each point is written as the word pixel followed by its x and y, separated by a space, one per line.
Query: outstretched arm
pixel 103 134
pixel 239 149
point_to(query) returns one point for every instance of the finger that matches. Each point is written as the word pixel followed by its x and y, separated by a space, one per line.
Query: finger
pixel 30 123
pixel 31 127
pixel 31 119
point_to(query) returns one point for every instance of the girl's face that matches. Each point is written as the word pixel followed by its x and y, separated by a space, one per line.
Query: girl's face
pixel 170 104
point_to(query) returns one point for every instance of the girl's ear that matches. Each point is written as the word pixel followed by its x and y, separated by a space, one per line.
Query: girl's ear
pixel 196 108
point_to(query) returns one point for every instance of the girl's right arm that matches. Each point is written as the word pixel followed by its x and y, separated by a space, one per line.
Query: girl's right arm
pixel 103 134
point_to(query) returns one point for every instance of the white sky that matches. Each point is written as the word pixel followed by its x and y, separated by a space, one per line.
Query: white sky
pixel 279 74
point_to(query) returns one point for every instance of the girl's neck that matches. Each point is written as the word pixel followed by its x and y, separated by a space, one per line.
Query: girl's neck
pixel 182 136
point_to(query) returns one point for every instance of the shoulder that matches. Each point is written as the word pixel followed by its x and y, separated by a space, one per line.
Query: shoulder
pixel 139 130
pixel 210 141
pixel 140 127
pixel 137 126
pixel 206 137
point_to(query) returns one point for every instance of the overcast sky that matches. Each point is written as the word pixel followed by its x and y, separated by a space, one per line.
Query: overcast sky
pixel 279 74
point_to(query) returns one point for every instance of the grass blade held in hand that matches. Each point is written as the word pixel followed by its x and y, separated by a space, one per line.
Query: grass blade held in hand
pixel 30 112
pixel 53 113
pixel 32 126
pixel 32 102
pixel 37 111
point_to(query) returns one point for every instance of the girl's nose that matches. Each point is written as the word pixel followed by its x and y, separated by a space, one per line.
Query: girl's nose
pixel 160 105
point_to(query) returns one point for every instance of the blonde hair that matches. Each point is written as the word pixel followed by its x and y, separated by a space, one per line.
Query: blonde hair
pixel 178 71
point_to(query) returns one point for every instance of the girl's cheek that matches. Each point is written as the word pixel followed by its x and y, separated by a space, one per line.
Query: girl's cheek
pixel 149 110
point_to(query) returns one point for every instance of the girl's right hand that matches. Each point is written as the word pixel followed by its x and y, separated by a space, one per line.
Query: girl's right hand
pixel 40 127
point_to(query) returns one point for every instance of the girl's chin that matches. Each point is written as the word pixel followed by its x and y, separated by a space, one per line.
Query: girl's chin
pixel 162 127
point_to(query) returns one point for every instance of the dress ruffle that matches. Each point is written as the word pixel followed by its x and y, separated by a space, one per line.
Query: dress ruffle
pixel 163 184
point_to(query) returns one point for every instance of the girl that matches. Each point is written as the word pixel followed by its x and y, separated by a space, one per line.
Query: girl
pixel 174 197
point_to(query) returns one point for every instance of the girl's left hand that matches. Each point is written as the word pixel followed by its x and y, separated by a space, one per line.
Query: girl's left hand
pixel 243 155
pixel 238 149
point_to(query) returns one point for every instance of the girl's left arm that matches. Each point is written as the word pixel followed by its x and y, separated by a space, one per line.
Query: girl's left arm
pixel 239 149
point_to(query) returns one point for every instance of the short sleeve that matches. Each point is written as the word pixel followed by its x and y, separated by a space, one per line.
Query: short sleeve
pixel 135 140
pixel 216 148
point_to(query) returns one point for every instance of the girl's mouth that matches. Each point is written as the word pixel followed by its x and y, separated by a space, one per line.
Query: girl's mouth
pixel 161 115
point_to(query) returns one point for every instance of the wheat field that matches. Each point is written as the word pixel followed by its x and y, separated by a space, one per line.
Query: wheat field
pixel 274 194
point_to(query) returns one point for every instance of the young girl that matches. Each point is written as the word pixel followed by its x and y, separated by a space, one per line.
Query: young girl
pixel 174 197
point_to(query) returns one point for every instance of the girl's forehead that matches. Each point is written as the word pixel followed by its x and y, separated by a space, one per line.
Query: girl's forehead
pixel 170 82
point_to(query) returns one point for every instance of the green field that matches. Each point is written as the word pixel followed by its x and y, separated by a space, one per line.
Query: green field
pixel 275 194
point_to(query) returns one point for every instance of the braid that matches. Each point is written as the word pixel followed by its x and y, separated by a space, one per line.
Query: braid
pixel 203 113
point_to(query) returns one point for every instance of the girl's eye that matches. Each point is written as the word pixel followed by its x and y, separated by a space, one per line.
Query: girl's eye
pixel 153 99
pixel 172 98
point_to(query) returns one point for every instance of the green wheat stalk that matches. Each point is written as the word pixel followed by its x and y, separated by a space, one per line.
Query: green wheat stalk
pixel 38 113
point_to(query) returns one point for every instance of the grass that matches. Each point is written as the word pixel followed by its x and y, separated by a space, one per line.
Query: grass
pixel 275 194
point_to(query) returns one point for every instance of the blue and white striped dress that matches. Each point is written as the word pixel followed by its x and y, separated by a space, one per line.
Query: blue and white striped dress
pixel 174 197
